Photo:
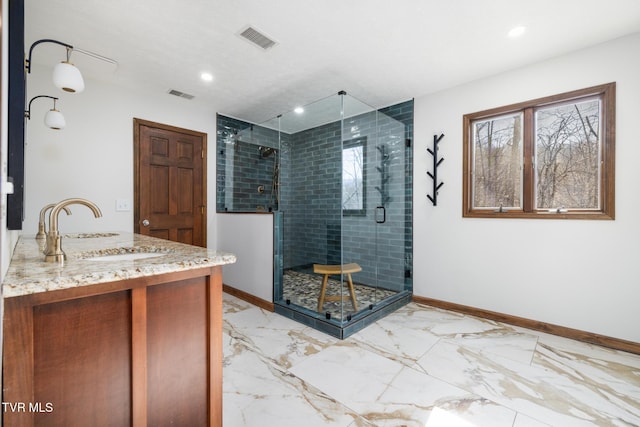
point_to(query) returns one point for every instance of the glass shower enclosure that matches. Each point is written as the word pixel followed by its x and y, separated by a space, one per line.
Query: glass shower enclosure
pixel 339 176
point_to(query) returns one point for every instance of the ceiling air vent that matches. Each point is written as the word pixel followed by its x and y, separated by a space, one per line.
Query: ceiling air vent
pixel 180 94
pixel 257 38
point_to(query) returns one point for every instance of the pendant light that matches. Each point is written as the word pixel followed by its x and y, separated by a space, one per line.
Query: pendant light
pixel 53 119
pixel 67 77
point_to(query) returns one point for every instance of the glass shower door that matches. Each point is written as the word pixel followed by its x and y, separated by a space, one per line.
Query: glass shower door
pixel 390 196
pixel 373 206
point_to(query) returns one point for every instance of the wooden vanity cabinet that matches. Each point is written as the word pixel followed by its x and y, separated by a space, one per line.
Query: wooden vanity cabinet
pixel 139 352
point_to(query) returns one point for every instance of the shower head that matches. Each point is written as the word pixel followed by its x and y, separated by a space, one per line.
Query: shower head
pixel 266 151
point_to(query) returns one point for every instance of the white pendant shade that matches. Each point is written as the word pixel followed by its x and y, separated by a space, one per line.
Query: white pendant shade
pixel 68 78
pixel 54 119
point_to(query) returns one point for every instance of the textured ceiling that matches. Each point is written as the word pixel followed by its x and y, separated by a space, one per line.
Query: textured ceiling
pixel 380 52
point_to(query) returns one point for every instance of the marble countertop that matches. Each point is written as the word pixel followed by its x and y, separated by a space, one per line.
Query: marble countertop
pixel 90 260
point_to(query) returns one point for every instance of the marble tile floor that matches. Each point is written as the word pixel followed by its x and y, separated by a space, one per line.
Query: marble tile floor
pixel 419 366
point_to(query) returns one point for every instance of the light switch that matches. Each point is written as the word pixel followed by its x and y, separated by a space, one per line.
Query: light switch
pixel 123 205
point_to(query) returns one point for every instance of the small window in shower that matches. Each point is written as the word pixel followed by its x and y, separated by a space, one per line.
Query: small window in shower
pixel 353 180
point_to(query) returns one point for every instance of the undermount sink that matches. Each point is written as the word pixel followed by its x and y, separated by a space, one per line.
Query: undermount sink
pixel 88 235
pixel 125 257
pixel 130 253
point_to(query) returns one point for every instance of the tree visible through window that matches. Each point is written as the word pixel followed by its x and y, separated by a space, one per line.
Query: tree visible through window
pixel 548 156
pixel 498 162
pixel 568 155
pixel 353 190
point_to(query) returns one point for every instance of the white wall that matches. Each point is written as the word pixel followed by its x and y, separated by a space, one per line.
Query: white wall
pixel 576 273
pixel 250 238
pixel 93 156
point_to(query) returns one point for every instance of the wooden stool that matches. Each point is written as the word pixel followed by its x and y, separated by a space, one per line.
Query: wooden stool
pixel 329 270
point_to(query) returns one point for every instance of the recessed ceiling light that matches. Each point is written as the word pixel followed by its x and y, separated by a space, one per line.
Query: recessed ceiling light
pixel 298 110
pixel 517 31
pixel 207 77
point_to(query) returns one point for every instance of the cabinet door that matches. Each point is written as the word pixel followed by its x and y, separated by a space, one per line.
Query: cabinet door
pixel 82 368
pixel 144 356
pixel 177 352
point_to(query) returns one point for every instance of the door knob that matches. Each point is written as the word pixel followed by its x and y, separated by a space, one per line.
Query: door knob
pixel 145 222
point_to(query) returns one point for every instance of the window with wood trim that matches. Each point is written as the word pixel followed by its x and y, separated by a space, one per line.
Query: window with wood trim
pixel 552 157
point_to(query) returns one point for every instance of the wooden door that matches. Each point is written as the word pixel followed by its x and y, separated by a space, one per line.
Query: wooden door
pixel 170 183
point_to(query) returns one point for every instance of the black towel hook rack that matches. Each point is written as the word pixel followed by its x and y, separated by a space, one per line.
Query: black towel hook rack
pixel 436 163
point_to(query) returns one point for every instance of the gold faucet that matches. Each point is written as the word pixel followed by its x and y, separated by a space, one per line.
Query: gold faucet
pixel 54 252
pixel 42 232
